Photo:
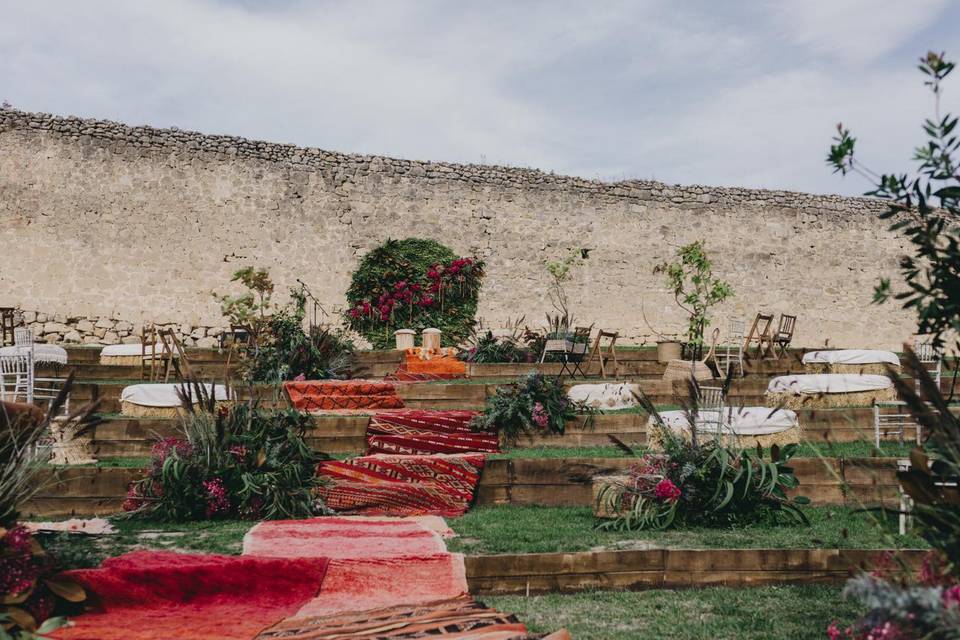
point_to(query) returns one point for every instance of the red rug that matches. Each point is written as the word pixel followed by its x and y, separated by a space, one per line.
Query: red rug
pixel 416 432
pixel 326 395
pixel 439 484
pixel 375 562
pixel 158 595
pixel 336 538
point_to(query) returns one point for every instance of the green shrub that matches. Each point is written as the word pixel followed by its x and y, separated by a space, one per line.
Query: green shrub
pixel 242 462
pixel 536 405
pixel 414 284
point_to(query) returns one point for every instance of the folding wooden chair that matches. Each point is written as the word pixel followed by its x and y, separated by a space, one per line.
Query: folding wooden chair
pixel 605 354
pixel 759 334
pixel 784 335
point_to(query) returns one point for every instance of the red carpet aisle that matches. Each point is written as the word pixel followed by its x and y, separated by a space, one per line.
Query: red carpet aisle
pixel 374 562
pixel 402 485
pixel 158 595
pixel 343 395
pixel 416 432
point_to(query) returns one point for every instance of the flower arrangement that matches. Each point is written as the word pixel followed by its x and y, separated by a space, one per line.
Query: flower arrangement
pixel 536 405
pixel 902 606
pixel 240 462
pixel 414 283
pixel 701 482
pixel 32 595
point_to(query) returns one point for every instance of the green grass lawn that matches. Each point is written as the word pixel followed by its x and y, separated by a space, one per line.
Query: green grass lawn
pixel 533 529
pixel 718 613
pixel 78 551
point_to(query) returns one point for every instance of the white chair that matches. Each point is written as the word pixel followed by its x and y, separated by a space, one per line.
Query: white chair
pixel 23 337
pixel 928 355
pixel 16 377
pixel 893 418
pixel 710 410
pixel 730 356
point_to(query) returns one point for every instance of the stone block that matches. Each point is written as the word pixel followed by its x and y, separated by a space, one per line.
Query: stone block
pixel 84 326
pixel 72 336
pixel 208 343
pixel 105 323
pixel 110 337
pixel 55 327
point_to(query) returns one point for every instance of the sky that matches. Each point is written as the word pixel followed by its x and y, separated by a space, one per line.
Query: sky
pixel 729 93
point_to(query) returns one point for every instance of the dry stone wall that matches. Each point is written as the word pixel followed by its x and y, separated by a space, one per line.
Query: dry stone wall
pixel 104 220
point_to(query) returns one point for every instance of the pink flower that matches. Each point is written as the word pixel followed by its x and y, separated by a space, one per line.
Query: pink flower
pixel 667 491
pixel 17 570
pixel 217 500
pixel 355 313
pixel 433 274
pixel 426 301
pixel 162 450
pixel 366 307
pixel 540 416
pixel 833 631
pixel 300 378
pixel 886 631
pixel 951 596
pixel 415 287
pixel 454 269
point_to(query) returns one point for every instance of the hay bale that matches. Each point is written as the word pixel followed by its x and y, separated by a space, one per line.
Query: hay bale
pixel 830 400
pixel 142 411
pixel 122 361
pixel 793 435
pixel 865 369
pixel 602 508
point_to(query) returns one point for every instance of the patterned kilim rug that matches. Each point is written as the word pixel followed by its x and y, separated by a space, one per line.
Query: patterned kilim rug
pixel 399 485
pixel 339 395
pixel 419 365
pixel 416 432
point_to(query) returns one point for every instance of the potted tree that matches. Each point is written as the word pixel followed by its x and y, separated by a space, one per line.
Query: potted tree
pixel 695 290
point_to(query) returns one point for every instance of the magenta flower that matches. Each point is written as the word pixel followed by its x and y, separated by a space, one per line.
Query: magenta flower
pixel 17 570
pixel 217 500
pixel 667 491
pixel 951 596
pixel 540 416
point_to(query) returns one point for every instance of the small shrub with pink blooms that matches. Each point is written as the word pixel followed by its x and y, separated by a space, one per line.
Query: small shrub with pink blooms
pixel 536 405
pixel 239 462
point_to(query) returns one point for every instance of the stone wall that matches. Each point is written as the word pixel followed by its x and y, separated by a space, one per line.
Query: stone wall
pixel 99 219
pixel 103 330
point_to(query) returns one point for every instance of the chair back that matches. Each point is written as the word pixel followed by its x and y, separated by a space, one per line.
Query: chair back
pixel 710 399
pixel 787 325
pixel 736 328
pixel 16 376
pixel 23 337
pixel 925 351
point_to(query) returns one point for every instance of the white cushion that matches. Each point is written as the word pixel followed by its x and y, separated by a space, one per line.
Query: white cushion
pixel 818 383
pixel 851 356
pixel 605 396
pixel 744 421
pixel 165 395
